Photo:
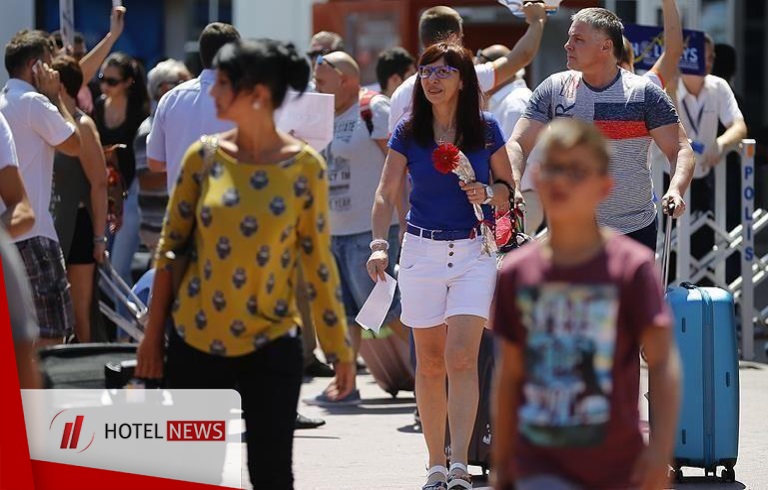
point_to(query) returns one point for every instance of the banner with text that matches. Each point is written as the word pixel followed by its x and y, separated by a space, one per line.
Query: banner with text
pixel 648 45
pixel 190 435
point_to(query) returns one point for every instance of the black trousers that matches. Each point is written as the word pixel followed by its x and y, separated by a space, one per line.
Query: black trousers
pixel 647 235
pixel 268 381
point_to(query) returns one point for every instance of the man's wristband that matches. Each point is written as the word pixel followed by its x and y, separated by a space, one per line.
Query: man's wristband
pixel 379 244
pixel 100 239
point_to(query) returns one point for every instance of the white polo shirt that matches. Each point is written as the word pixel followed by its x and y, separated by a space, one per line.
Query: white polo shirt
pixel 183 115
pixel 37 127
pixel 400 106
pixel 701 114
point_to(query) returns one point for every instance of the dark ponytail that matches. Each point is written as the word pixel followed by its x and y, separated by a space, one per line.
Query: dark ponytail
pixel 138 96
pixel 274 64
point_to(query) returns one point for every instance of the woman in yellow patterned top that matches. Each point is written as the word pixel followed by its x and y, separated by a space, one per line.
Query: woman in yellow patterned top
pixel 254 202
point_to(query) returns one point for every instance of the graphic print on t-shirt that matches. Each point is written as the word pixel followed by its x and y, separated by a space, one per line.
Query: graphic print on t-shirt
pixel 339 168
pixel 568 359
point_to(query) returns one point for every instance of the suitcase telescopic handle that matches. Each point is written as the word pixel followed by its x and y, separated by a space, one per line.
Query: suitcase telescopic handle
pixel 665 252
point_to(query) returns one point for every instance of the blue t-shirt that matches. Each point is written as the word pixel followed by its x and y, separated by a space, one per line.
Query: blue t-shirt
pixel 437 201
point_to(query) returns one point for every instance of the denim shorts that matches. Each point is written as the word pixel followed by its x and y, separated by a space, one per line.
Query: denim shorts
pixel 44 262
pixel 351 253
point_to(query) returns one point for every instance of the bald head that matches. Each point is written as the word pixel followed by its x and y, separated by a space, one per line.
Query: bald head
pixel 494 52
pixel 345 63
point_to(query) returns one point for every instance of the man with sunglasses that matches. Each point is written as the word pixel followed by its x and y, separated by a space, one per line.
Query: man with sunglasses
pixel 630 110
pixel 444 24
pixel 355 160
pixel 322 43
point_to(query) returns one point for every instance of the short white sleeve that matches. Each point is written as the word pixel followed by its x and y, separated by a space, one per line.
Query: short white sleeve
pixel 486 76
pixel 380 112
pixel 400 103
pixel 47 121
pixel 8 156
pixel 156 137
pixel 728 108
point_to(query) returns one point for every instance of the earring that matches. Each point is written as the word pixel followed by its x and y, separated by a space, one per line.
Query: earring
pixel 256 105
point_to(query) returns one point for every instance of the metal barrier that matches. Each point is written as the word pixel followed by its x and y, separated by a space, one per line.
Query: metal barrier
pixel 741 239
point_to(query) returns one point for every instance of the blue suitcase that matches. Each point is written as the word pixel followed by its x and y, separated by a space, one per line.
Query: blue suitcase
pixel 705 331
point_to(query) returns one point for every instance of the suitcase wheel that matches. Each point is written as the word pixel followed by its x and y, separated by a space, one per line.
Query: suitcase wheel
pixel 728 475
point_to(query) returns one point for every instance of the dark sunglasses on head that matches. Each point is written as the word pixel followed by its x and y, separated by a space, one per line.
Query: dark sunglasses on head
pixel 112 82
pixel 574 173
pixel 321 60
pixel 480 57
pixel 441 72
pixel 318 52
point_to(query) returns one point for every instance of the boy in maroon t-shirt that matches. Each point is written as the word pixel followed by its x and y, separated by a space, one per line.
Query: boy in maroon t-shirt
pixel 572 313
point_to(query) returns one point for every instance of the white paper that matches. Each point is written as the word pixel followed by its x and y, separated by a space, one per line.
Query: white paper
pixel 67 22
pixel 376 307
pixel 308 117
pixel 516 6
pixel 117 3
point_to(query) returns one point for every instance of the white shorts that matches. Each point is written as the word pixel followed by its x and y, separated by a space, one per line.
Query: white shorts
pixel 442 279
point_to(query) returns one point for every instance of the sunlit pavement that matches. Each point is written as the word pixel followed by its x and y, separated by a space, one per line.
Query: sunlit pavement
pixel 375 445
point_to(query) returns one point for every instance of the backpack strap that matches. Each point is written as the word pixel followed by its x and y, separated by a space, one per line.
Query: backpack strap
pixel 366 113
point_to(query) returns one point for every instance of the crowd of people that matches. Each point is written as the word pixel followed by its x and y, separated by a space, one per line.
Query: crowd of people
pixel 262 245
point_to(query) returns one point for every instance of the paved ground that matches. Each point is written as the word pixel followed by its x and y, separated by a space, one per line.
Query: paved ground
pixel 375 445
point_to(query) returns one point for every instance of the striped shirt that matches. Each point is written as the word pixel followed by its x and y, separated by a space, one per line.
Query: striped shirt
pixel 625 112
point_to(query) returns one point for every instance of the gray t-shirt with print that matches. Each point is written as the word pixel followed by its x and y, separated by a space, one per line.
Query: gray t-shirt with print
pixel 355 163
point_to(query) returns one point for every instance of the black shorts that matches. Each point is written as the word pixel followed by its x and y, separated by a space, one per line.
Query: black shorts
pixel 81 250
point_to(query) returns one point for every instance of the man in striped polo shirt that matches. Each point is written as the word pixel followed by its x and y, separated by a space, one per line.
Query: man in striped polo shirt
pixel 630 111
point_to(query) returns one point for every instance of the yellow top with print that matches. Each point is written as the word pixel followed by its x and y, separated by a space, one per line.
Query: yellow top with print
pixel 250 226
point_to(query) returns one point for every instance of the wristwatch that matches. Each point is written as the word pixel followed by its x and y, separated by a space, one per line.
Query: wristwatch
pixel 100 239
pixel 488 194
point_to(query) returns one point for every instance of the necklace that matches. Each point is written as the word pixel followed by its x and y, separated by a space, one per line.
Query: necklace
pixel 443 135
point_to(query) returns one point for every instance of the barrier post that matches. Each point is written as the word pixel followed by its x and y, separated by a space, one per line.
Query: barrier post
pixel 747 153
pixel 720 218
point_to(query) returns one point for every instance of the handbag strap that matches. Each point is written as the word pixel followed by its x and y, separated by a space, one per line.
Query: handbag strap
pixel 210 147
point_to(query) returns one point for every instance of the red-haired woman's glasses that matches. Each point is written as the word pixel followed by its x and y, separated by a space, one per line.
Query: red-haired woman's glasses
pixel 441 72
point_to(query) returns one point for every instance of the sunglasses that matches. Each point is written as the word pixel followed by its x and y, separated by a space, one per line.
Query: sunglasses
pixel 480 57
pixel 573 173
pixel 322 61
pixel 318 52
pixel 441 72
pixel 112 82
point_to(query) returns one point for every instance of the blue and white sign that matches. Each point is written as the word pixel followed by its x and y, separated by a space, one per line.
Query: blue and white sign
pixel 648 45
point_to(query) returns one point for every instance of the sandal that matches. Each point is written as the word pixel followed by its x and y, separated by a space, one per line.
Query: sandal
pixel 459 477
pixel 435 483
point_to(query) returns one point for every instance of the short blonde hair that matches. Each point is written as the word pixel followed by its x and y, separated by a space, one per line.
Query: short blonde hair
pixel 565 134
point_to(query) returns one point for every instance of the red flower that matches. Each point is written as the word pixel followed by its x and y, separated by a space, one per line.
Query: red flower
pixel 445 158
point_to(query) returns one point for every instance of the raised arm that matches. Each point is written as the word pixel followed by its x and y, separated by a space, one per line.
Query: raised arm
pixel 526 48
pixel 673 142
pixel 387 196
pixel 92 61
pixel 667 64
